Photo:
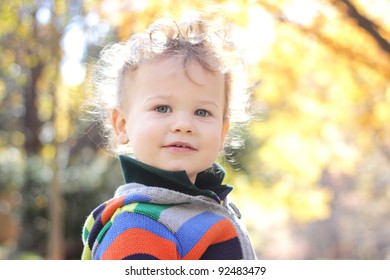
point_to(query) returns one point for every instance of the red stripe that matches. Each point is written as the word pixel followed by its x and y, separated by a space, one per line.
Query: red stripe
pixel 140 241
pixel 110 209
pixel 219 232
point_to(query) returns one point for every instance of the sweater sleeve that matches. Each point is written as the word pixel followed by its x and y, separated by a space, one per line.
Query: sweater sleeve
pixel 135 236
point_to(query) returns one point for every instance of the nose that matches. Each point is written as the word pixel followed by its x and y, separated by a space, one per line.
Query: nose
pixel 182 124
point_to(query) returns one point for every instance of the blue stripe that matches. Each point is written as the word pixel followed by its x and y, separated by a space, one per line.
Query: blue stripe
pixel 140 257
pixel 97 225
pixel 135 198
pixel 226 250
pixel 194 229
pixel 129 220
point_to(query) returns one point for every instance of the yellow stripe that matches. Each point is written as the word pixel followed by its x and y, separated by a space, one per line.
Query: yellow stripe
pixel 126 208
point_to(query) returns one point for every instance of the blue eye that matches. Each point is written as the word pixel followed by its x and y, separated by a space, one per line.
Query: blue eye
pixel 202 113
pixel 162 109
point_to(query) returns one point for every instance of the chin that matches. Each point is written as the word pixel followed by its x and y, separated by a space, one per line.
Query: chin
pixel 174 168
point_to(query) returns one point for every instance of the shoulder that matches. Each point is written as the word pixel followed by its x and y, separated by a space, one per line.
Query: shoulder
pixel 127 226
pixel 147 219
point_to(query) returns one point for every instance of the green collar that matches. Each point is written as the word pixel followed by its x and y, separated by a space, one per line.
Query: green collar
pixel 208 182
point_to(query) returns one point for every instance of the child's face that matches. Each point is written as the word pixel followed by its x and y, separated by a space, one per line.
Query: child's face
pixel 173 118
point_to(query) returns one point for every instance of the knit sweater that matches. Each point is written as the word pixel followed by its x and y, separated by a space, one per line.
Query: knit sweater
pixel 161 215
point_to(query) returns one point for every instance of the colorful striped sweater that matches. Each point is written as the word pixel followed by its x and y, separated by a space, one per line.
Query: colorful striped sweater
pixel 154 221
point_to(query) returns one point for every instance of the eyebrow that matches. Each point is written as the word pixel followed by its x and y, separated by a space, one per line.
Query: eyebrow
pixel 157 97
pixel 168 97
pixel 209 103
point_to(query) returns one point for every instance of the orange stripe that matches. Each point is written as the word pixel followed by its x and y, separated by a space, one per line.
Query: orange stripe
pixel 110 209
pixel 219 232
pixel 226 231
pixel 140 241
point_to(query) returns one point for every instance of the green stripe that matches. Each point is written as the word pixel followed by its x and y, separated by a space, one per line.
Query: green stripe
pixel 87 227
pixel 151 210
pixel 103 231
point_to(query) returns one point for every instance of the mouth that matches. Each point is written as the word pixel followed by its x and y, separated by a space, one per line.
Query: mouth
pixel 180 146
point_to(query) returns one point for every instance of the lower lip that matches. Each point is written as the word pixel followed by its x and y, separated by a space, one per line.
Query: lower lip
pixel 183 150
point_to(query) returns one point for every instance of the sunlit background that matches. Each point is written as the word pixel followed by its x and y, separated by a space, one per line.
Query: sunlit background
pixel 313 181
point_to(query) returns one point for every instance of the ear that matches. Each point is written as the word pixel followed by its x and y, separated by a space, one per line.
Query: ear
pixel 119 123
pixel 225 129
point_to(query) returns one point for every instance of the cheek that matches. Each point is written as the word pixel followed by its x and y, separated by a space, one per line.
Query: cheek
pixel 214 138
pixel 143 132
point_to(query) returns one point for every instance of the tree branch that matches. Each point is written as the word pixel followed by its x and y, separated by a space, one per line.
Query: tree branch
pixel 330 43
pixel 367 25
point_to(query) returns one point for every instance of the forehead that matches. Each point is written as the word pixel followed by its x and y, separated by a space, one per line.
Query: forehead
pixel 170 66
pixel 172 72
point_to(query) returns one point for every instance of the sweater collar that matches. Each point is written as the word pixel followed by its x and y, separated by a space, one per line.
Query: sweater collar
pixel 208 182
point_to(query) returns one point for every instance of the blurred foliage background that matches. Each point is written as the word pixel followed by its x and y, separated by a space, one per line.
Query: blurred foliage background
pixel 314 179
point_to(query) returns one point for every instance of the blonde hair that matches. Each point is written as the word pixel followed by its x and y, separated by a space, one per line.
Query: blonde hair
pixel 195 38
